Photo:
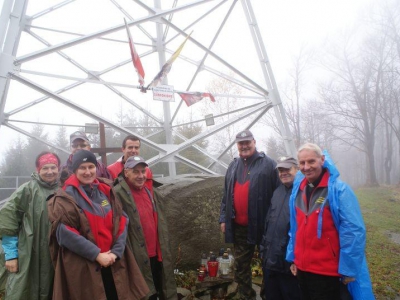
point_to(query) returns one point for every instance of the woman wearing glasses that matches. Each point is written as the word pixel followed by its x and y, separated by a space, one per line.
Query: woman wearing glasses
pixel 87 239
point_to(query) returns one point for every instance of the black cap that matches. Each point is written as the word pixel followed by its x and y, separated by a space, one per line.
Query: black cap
pixel 78 135
pixel 286 162
pixel 133 161
pixel 244 135
pixel 82 156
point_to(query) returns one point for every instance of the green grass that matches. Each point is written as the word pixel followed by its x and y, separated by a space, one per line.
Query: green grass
pixel 381 211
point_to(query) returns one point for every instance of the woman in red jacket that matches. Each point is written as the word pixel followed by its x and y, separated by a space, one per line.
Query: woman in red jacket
pixel 88 239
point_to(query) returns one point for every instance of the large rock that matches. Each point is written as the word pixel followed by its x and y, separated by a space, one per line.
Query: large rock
pixel 192 204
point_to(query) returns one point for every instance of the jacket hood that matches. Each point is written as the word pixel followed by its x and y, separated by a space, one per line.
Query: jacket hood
pixel 73 181
pixel 333 171
pixel 35 176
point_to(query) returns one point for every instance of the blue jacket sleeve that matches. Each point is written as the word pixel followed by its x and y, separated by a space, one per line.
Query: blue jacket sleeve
pixel 352 233
pixel 293 225
pixel 10 246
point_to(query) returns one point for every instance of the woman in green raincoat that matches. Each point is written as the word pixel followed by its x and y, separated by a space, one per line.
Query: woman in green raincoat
pixel 25 267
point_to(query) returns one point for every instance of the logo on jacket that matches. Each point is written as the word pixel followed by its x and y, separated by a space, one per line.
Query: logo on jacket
pixel 320 200
pixel 104 203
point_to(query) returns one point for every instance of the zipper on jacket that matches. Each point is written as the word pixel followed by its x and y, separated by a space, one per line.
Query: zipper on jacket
pixel 304 237
pixel 306 218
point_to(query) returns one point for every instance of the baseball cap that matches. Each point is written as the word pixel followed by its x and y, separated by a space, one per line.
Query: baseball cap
pixel 244 135
pixel 133 161
pixel 286 162
pixel 78 135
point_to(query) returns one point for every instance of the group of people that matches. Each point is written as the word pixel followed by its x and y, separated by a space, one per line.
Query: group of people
pixel 85 231
pixel 307 225
pixel 82 230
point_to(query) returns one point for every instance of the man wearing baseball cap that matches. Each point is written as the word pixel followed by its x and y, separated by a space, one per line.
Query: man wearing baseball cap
pixel 79 140
pixel 147 229
pixel 130 147
pixel 249 184
pixel 279 282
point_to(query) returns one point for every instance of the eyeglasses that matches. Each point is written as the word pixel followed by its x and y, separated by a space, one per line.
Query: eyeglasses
pixel 84 145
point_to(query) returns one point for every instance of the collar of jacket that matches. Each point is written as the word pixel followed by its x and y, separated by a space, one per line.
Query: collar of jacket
pixel 101 184
pixel 322 183
pixel 252 158
pixel 35 176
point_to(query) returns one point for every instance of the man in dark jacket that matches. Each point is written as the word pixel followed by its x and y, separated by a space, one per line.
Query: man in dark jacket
pixel 279 282
pixel 78 141
pixel 147 229
pixel 249 184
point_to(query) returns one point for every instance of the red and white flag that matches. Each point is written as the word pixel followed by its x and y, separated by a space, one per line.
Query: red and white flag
pixel 135 57
pixel 191 98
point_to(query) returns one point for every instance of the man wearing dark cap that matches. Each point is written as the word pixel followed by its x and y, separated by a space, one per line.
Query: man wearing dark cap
pixel 147 229
pixel 78 141
pixel 279 282
pixel 249 184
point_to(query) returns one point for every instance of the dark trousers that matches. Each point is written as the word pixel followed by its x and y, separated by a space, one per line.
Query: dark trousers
pixel 280 286
pixel 157 272
pixel 109 285
pixel 243 254
pixel 318 287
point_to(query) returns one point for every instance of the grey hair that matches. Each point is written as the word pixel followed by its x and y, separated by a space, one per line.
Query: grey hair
pixel 311 147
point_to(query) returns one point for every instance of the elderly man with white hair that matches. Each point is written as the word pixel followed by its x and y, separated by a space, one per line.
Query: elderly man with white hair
pixel 327 232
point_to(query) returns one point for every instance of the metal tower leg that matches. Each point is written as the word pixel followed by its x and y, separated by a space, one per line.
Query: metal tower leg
pixel 269 78
pixel 9 40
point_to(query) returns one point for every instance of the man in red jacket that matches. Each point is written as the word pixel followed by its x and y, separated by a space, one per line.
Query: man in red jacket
pixel 318 243
pixel 130 147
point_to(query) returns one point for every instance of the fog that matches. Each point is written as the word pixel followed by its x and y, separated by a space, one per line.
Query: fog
pixel 316 49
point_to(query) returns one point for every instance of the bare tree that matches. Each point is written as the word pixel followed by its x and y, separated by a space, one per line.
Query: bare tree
pixel 388 24
pixel 295 101
pixel 353 96
pixel 224 104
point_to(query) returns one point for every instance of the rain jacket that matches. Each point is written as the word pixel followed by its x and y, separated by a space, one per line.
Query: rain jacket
pixel 77 277
pixel 276 237
pixel 349 223
pixel 136 240
pixel 263 181
pixel 25 216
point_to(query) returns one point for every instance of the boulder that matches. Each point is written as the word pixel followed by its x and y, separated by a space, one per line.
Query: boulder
pixel 192 203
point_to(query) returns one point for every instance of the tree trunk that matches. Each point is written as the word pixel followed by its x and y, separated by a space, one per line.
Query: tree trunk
pixel 372 181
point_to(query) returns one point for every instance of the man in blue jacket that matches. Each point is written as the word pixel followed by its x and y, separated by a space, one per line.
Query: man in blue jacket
pixel 279 282
pixel 249 184
pixel 327 232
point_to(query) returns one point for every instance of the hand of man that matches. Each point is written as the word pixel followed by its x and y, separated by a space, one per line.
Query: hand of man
pixel 12 265
pixel 293 269
pixel 223 227
pixel 346 280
